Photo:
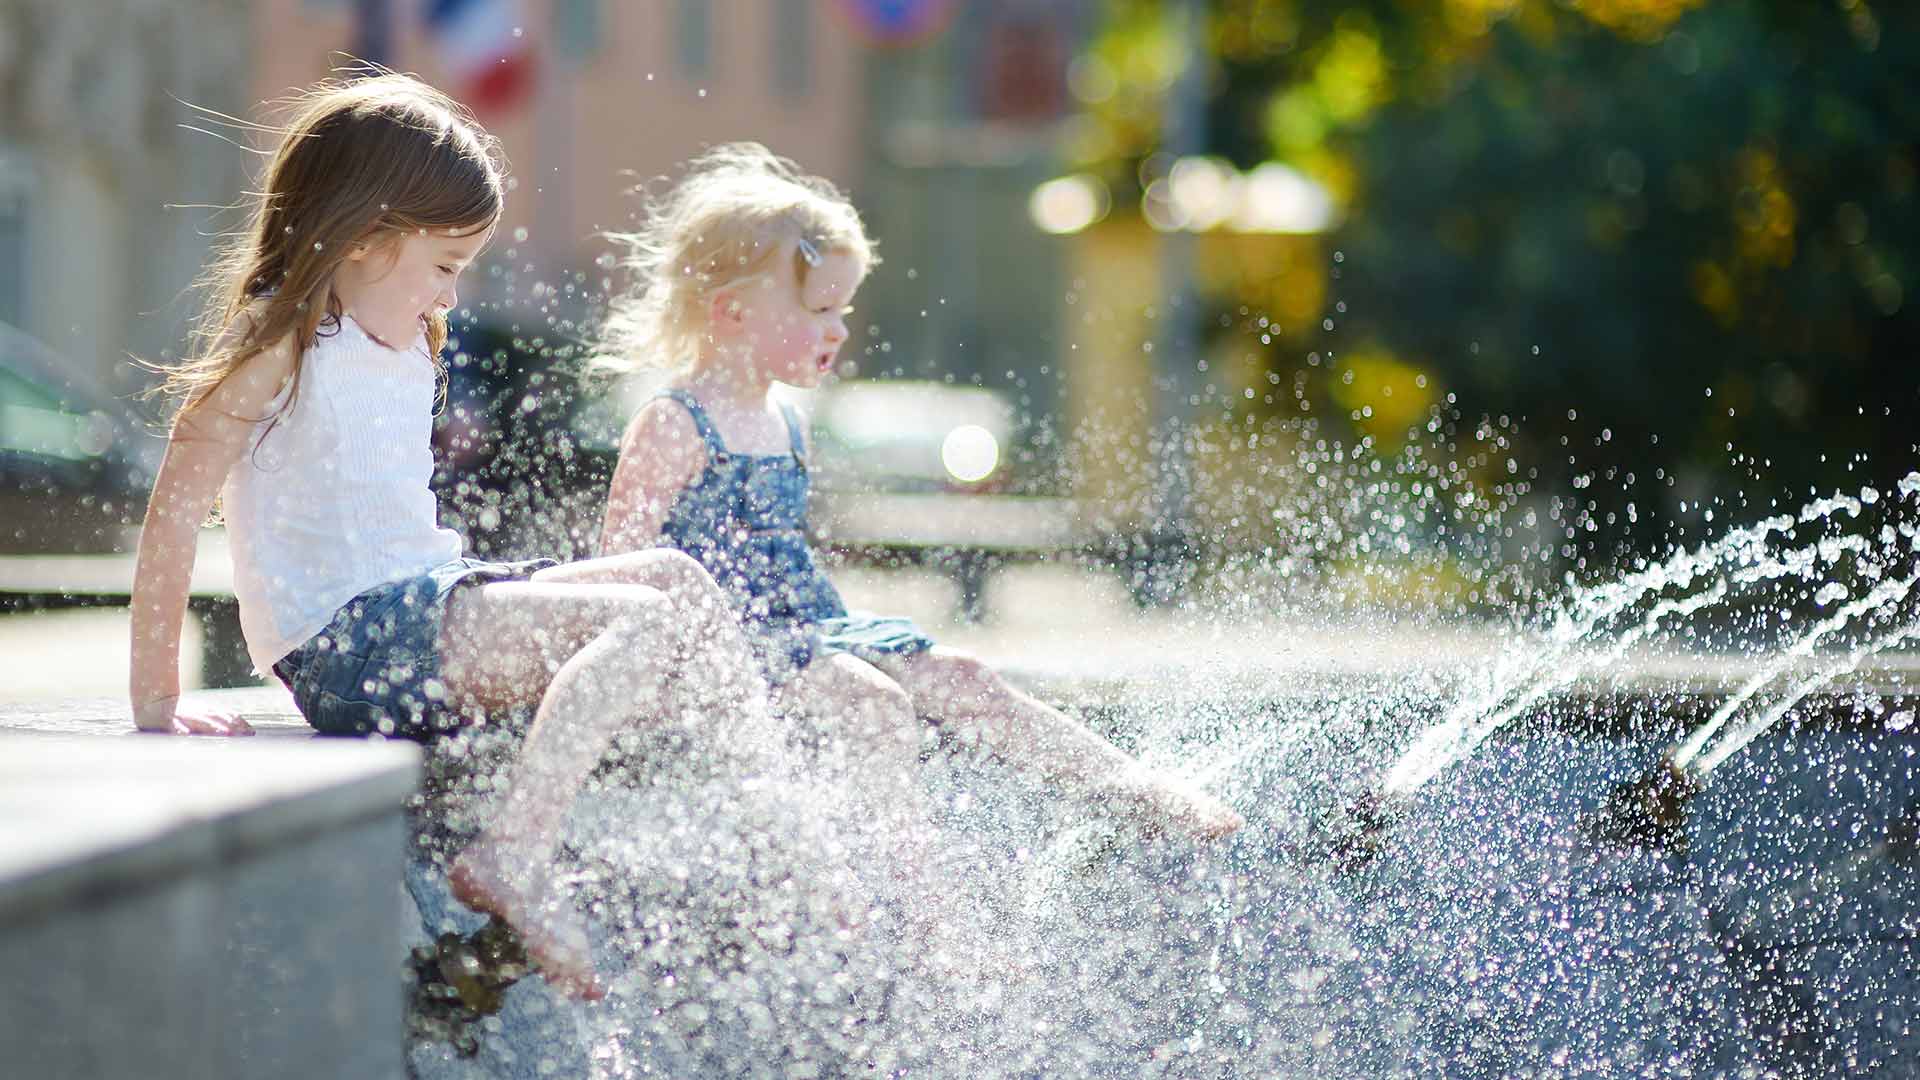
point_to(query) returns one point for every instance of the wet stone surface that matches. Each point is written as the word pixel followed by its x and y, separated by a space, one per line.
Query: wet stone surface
pixel 142 879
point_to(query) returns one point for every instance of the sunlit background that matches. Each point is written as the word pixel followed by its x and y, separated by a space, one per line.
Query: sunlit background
pixel 1475 438
pixel 1576 279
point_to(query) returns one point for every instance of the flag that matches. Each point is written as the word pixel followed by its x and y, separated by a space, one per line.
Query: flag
pixel 486 51
pixel 897 22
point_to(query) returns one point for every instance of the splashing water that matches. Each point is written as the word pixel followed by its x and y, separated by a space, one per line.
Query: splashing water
pixel 1602 625
pixel 777 924
pixel 772 921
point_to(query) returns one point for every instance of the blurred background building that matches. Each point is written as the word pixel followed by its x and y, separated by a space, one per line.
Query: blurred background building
pixel 591 97
pixel 105 188
pixel 119 141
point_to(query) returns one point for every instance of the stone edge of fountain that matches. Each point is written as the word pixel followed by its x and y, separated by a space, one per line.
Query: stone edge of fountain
pixel 175 907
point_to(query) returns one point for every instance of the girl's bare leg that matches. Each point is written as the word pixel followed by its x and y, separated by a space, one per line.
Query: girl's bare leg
pixel 869 732
pixel 975 703
pixel 871 735
pixel 859 708
pixel 718 670
pixel 596 658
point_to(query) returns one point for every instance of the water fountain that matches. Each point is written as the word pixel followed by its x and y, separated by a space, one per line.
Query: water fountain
pixel 1662 823
pixel 1668 828
pixel 1613 852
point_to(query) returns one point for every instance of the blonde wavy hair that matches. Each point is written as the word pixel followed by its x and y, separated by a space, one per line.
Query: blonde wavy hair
pixel 356 160
pixel 737 209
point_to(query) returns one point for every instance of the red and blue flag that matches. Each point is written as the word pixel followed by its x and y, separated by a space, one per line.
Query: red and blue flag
pixel 485 49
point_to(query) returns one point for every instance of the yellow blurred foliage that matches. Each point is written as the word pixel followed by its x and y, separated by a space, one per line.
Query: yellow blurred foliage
pixel 1713 288
pixel 1636 20
pixel 1386 395
pixel 1296 120
pixel 1765 223
pixel 1472 18
pixel 1763 211
pixel 1375 582
pixel 1351 78
pixel 1275 275
pixel 1249 30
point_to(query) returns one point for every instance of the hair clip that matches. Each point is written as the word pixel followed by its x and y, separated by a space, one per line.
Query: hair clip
pixel 808 251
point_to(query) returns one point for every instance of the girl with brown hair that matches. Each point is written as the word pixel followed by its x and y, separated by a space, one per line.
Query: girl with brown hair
pixel 307 411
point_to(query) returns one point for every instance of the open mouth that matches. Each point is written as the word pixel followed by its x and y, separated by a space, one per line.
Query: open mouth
pixel 825 362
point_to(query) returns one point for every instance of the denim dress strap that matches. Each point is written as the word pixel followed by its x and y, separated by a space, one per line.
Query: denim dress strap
pixel 701 422
pixel 793 433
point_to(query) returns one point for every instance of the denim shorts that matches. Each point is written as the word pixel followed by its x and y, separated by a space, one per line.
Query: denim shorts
pixel 376 666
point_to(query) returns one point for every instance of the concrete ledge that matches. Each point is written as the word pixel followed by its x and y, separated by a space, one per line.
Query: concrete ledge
pixel 93 819
pixel 1490 934
pixel 268 708
pixel 1309 662
pixel 176 907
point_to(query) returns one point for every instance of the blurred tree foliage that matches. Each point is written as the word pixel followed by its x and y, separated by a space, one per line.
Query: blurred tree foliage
pixel 1674 240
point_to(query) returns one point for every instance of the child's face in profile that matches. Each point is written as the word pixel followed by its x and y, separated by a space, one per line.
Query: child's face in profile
pixel 795 325
pixel 391 283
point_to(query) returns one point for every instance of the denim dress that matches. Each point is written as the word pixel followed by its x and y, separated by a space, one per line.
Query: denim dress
pixel 375 667
pixel 744 518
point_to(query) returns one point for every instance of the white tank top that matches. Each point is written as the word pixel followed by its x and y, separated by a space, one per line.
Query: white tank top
pixel 332 499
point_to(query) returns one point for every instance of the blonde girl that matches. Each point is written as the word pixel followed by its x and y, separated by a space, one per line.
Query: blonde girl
pixel 743 276
pixel 306 409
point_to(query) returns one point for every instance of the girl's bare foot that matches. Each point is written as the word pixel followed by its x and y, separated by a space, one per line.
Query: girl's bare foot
pixel 1164 803
pixel 1201 814
pixel 553 933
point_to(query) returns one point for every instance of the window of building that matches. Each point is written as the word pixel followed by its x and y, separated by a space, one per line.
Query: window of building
pixel 577 29
pixel 693 36
pixel 15 186
pixel 792 47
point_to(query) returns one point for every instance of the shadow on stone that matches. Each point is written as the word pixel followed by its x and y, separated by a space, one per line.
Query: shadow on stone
pixel 460 980
pixel 1648 812
pixel 1349 840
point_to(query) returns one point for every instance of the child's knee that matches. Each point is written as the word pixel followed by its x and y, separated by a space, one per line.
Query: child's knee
pixel 678 566
pixel 682 575
pixel 865 697
pixel 883 713
pixel 889 700
pixel 645 627
pixel 621 666
pixel 962 673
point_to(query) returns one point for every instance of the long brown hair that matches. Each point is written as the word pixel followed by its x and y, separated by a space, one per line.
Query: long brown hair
pixel 358 159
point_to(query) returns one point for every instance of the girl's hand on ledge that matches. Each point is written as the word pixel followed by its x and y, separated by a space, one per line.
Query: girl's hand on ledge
pixel 165 717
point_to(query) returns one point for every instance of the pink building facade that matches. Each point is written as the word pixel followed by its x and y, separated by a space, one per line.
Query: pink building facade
pixel 620 91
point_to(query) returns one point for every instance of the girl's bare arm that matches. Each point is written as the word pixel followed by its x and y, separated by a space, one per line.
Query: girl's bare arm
pixel 204 443
pixel 660 454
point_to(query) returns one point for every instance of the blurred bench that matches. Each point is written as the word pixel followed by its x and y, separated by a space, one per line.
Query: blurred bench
pixel 966 536
pixel 62 582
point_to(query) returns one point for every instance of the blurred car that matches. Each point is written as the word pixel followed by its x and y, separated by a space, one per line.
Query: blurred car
pixel 911 436
pixel 919 473
pixel 76 461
